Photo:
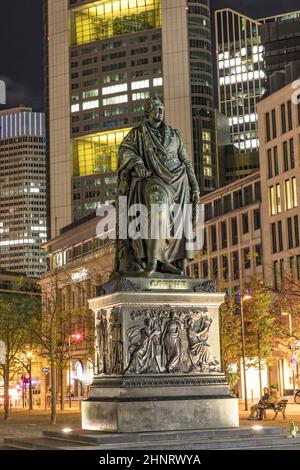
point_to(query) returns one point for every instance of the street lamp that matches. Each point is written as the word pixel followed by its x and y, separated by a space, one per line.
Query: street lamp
pixel 29 358
pixel 291 335
pixel 70 401
pixel 244 297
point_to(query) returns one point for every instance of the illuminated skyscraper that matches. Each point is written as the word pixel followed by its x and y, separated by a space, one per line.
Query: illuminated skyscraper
pixel 22 191
pixel 104 58
pixel 243 65
pixel 241 76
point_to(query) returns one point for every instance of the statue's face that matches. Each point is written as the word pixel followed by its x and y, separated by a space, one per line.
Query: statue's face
pixel 157 114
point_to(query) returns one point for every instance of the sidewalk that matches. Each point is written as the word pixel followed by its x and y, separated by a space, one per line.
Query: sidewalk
pixel 31 424
pixel 292 413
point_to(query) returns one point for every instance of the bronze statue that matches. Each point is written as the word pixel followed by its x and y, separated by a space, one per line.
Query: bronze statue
pixel 154 168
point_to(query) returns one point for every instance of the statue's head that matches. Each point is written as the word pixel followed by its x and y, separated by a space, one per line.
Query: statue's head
pixel 154 109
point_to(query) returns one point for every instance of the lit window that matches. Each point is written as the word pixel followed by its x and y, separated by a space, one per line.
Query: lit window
pixel 278 198
pixel 207 171
pixel 115 100
pixel 75 108
pixel 140 96
pixel 288 195
pixel 272 201
pixel 157 81
pixel 109 90
pixel 140 84
pixel 90 104
pixel 90 94
pixel 110 18
pixel 294 184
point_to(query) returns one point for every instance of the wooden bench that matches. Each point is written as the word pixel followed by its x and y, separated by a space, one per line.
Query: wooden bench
pixel 277 408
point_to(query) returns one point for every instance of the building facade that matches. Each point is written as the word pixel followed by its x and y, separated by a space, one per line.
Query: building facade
pixel 246 55
pixel 281 42
pixel 279 133
pixel 104 58
pixel 78 262
pixel 22 191
pixel 232 251
pixel 240 74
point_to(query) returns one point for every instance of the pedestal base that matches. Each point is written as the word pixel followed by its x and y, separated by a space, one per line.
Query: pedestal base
pixel 135 404
pixel 158 358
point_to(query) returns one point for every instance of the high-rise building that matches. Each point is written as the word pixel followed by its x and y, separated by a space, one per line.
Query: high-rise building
pixel 22 191
pixel 281 42
pixel 244 62
pixel 241 75
pixel 104 58
pixel 279 133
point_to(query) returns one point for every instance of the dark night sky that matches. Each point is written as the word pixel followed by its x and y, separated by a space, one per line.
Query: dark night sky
pixel 21 43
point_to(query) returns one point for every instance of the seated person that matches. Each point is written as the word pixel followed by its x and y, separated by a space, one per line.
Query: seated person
pixel 260 405
pixel 273 399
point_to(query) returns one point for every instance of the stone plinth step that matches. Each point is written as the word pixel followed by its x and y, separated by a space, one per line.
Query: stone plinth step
pixel 98 438
pixel 243 438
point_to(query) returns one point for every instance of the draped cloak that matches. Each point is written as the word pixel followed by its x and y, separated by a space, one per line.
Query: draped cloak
pixel 172 181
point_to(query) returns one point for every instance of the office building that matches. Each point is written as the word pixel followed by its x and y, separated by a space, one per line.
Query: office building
pixel 240 74
pixel 103 59
pixel 281 42
pixel 79 261
pixel 279 133
pixel 232 251
pixel 248 50
pixel 22 191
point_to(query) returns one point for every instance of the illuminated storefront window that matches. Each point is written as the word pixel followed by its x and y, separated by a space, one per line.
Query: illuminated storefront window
pixel 97 153
pixel 111 18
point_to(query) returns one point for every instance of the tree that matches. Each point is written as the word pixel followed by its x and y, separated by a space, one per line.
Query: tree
pixel 260 329
pixel 56 331
pixel 230 331
pixel 260 326
pixel 17 313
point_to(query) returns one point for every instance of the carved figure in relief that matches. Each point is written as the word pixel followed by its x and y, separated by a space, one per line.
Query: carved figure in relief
pixel 171 344
pixel 102 343
pixel 144 347
pixel 198 348
pixel 116 346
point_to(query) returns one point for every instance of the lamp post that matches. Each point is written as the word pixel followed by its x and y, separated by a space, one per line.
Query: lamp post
pixel 247 296
pixel 291 335
pixel 70 401
pixel 29 358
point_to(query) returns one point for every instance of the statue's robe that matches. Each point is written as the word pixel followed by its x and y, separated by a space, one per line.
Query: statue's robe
pixel 172 181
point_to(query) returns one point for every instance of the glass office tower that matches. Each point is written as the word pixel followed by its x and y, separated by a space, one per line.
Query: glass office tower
pixel 244 61
pixel 22 191
pixel 241 76
pixel 104 58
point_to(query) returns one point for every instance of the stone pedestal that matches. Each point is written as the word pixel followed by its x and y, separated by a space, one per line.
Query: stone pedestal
pixel 158 358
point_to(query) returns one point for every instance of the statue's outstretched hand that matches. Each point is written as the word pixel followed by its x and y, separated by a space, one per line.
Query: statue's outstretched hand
pixel 196 197
pixel 141 171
